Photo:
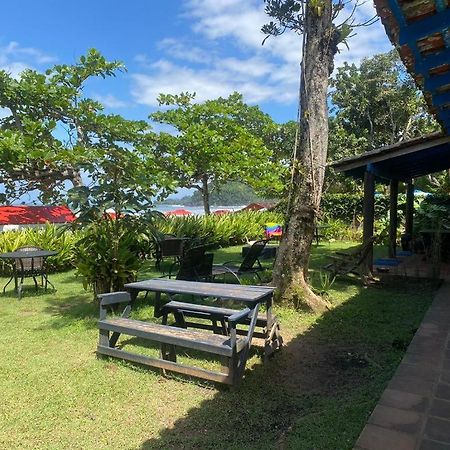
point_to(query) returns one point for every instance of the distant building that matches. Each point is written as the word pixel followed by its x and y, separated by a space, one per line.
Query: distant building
pixel 17 217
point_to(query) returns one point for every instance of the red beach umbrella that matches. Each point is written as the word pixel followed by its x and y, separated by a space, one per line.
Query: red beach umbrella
pixel 179 212
pixel 221 212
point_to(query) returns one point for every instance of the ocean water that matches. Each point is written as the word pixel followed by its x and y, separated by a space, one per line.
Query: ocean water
pixel 197 210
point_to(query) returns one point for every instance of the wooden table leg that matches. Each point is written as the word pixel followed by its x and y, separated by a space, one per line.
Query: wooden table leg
pixel 273 340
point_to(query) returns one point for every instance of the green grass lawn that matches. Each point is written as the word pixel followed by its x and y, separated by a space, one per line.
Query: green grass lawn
pixel 315 394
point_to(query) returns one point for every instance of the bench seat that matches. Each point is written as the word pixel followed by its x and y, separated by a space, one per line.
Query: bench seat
pixel 205 311
pixel 198 340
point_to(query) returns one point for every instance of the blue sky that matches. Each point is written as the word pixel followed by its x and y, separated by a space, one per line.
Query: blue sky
pixel 211 47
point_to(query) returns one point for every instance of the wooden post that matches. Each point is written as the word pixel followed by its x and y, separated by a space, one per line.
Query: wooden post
pixel 393 218
pixel 409 219
pixel 368 214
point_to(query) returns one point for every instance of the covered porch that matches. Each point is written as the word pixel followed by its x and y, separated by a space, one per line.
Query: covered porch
pixel 395 165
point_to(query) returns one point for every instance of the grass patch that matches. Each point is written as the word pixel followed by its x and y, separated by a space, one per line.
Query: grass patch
pixel 316 394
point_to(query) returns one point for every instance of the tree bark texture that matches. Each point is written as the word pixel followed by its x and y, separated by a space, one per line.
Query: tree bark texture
pixel 205 195
pixel 290 274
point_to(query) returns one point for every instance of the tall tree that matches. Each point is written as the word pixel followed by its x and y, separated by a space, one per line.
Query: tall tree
pixel 379 102
pixel 49 117
pixel 313 19
pixel 216 141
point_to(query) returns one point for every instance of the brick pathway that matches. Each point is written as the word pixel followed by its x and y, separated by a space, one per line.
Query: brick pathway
pixel 414 410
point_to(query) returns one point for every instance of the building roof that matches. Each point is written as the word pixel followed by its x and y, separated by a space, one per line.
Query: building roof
pixel 420 31
pixel 401 161
pixel 30 215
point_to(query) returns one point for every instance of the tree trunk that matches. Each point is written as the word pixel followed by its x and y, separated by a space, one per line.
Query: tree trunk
pixel 205 195
pixel 291 269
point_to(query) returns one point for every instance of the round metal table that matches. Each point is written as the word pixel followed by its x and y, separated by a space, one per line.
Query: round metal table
pixel 24 271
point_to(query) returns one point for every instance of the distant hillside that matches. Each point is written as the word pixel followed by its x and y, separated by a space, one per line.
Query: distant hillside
pixel 232 193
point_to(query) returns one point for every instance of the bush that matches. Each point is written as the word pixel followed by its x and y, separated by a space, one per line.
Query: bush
pixel 433 213
pixel 338 229
pixel 224 230
pixel 112 251
pixel 349 207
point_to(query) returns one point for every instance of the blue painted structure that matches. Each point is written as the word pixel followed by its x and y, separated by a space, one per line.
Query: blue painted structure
pixel 420 29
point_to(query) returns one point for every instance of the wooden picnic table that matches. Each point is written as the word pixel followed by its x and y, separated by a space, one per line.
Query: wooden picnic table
pixel 251 296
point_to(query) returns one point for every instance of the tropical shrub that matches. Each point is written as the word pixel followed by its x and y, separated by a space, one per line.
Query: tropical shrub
pixel 340 230
pixel 224 230
pixel 349 207
pixel 112 251
pixel 433 213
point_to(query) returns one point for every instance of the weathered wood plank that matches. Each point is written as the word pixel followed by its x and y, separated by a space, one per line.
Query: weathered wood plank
pixel 205 311
pixel 112 298
pixel 207 326
pixel 167 365
pixel 211 343
pixel 240 316
pixel 243 293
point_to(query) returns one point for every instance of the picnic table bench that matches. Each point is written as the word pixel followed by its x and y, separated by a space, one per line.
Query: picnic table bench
pixel 228 344
pixel 249 295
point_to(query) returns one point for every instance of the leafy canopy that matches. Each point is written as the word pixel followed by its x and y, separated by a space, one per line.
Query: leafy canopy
pixel 217 141
pixel 379 102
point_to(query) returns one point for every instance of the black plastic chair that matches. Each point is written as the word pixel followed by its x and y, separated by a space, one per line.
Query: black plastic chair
pixel 169 246
pixel 195 265
pixel 249 265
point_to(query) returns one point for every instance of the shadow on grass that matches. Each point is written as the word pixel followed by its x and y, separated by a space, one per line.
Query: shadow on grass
pixel 318 392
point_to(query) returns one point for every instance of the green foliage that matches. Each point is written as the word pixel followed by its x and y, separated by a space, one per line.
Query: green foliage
pixel 338 229
pixel 433 213
pixel 51 126
pixel 217 141
pixel 325 281
pixel 231 193
pixel 377 104
pixel 224 230
pixel 49 237
pixel 349 207
pixel 101 264
pixel 112 250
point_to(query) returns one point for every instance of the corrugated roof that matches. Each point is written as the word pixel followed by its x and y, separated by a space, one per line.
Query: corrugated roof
pixel 29 215
pixel 420 29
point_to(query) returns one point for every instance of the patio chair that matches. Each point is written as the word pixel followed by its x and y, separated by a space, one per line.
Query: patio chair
pixel 169 246
pixel 250 264
pixel 345 263
pixel 195 265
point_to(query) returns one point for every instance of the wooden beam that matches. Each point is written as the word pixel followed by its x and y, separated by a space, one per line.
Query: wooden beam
pixel 393 218
pixel 409 220
pixel 166 365
pixel 368 214
pixel 388 152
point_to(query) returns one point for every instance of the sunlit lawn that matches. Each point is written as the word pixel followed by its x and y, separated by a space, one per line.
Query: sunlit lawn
pixel 316 394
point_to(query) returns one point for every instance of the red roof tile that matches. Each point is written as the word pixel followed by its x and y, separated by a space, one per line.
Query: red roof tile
pixel 27 215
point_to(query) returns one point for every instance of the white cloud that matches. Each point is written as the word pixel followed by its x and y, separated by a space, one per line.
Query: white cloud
pixel 13 49
pixel 14 59
pixel 219 80
pixel 184 51
pixel 260 73
pixel 110 101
